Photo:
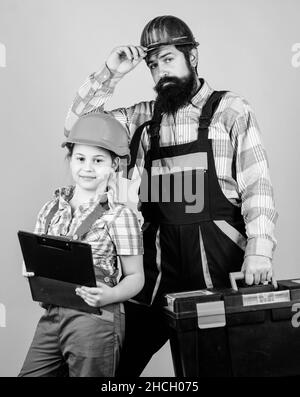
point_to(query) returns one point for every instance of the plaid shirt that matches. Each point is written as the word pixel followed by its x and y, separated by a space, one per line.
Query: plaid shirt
pixel 235 140
pixel 117 232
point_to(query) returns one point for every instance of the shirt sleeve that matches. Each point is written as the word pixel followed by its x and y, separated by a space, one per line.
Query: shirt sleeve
pixel 126 234
pixel 93 95
pixel 254 184
pixel 41 218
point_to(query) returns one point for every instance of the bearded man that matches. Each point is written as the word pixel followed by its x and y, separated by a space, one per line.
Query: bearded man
pixel 206 195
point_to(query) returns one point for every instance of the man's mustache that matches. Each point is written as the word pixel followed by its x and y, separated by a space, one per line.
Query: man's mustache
pixel 173 93
pixel 166 81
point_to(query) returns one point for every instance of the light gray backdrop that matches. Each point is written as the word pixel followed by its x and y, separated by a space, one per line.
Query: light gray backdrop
pixel 47 48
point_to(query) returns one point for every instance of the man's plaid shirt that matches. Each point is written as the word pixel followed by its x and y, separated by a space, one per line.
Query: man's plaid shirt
pixel 116 232
pixel 235 140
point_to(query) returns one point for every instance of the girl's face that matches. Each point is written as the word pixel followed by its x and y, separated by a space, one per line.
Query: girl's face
pixel 91 166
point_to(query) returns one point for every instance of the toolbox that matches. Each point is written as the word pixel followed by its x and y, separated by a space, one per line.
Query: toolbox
pixel 236 332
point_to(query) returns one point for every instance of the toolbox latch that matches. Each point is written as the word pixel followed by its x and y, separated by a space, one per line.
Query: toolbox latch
pixel 211 314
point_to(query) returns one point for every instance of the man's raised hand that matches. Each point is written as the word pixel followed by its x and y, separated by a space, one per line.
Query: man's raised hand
pixel 123 59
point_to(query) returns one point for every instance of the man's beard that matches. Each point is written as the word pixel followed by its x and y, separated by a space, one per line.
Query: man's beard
pixel 174 93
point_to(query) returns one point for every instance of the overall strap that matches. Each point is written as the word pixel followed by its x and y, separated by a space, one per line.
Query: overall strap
pixel 134 147
pixel 154 132
pixel 90 220
pixel 85 225
pixel 84 228
pixel 207 114
pixel 50 215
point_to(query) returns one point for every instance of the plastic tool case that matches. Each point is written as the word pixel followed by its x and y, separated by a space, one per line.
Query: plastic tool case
pixel 252 331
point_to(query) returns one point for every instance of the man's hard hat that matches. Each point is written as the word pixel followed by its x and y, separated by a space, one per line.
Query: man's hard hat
pixel 102 130
pixel 166 30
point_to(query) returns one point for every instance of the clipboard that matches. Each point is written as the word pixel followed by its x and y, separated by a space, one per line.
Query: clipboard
pixel 60 265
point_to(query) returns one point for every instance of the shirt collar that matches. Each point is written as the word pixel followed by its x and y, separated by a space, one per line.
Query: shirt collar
pixel 202 94
pixel 64 195
pixel 99 198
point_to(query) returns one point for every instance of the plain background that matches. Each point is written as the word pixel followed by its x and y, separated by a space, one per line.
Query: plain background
pixel 52 46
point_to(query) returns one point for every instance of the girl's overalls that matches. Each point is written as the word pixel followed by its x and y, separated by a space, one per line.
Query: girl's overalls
pixel 73 343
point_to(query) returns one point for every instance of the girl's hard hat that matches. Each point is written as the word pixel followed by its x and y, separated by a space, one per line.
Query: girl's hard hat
pixel 100 129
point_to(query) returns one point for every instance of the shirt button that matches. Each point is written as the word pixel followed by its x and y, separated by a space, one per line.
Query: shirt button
pixel 106 279
pixel 75 237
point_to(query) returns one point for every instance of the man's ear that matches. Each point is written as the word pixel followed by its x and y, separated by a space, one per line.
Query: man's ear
pixel 194 57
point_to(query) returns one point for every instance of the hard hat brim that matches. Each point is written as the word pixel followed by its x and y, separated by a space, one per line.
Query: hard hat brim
pixel 154 46
pixel 100 143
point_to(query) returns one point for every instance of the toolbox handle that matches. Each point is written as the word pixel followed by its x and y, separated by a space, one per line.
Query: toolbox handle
pixel 259 298
pixel 238 276
pixel 235 276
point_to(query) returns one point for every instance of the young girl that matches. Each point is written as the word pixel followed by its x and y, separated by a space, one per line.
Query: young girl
pixel 69 342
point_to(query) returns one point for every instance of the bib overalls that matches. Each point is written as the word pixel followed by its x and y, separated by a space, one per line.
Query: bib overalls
pixel 69 342
pixel 193 235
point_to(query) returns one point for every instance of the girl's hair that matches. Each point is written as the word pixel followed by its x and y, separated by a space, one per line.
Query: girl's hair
pixel 69 146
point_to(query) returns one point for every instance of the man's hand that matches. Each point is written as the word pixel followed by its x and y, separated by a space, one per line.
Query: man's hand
pixel 258 269
pixel 97 296
pixel 125 58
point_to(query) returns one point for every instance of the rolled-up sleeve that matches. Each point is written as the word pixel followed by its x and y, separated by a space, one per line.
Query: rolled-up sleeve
pixel 254 183
pixel 93 94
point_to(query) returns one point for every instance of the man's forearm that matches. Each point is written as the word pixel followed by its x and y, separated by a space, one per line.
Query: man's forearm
pixel 93 94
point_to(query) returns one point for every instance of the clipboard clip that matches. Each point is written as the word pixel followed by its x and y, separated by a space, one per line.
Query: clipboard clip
pixel 57 243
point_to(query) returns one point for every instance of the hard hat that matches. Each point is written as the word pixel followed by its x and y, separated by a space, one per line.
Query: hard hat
pixel 100 129
pixel 166 30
